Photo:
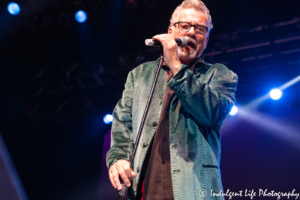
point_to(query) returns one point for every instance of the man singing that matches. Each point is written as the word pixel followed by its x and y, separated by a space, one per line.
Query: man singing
pixel 178 156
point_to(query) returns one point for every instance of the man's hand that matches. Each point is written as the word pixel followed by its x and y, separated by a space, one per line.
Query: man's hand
pixel 170 48
pixel 121 168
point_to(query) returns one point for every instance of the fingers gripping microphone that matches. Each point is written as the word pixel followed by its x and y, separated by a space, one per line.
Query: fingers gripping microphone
pixel 181 42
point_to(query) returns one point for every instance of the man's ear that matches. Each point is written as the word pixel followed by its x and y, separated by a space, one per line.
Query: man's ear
pixel 170 30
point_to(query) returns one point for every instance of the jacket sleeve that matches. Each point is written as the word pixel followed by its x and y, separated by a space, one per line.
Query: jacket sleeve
pixel 208 95
pixel 121 132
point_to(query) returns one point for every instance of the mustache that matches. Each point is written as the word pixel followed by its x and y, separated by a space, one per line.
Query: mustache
pixel 191 41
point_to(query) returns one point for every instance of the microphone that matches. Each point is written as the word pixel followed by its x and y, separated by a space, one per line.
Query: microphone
pixel 181 42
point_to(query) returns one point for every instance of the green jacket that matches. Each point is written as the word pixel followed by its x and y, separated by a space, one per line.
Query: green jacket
pixel 203 100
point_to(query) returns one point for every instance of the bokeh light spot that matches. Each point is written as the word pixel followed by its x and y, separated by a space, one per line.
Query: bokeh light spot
pixel 13 8
pixel 80 16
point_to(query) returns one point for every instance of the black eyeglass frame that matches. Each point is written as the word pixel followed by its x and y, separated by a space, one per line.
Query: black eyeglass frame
pixel 190 27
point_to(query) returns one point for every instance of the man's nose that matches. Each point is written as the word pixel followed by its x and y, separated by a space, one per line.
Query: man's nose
pixel 191 31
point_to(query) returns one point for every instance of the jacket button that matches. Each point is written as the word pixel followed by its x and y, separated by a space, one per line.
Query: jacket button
pixel 138 169
pixel 145 144
pixel 154 123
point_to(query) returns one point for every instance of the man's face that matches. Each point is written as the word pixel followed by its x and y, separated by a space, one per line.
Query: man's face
pixel 191 52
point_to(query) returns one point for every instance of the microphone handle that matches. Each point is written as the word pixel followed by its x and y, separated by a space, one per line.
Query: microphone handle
pixel 181 42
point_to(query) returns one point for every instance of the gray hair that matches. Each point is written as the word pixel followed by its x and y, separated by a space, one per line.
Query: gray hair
pixel 197 5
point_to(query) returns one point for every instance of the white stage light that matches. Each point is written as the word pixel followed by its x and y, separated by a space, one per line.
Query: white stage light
pixel 108 119
pixel 275 94
pixel 234 111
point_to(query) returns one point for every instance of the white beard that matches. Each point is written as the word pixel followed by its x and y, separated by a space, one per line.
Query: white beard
pixel 187 55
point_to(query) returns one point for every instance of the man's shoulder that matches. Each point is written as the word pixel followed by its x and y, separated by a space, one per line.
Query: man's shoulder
pixel 216 66
pixel 222 69
pixel 148 64
pixel 145 67
pixel 207 65
pixel 202 65
pixel 216 70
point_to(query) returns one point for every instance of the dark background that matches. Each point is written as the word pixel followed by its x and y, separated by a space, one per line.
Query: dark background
pixel 58 78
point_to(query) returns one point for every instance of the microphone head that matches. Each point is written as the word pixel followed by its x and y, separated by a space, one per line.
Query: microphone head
pixel 149 42
pixel 182 41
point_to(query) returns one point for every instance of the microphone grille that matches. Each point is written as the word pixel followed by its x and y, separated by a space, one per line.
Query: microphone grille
pixel 184 42
pixel 149 42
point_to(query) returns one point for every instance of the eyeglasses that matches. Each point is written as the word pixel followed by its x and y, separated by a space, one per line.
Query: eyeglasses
pixel 185 27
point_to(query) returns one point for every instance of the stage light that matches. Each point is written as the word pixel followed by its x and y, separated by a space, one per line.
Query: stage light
pixel 13 8
pixel 80 16
pixel 275 94
pixel 234 111
pixel 108 119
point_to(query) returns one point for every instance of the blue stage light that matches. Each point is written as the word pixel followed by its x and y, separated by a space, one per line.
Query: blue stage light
pixel 108 119
pixel 80 16
pixel 234 111
pixel 275 94
pixel 13 8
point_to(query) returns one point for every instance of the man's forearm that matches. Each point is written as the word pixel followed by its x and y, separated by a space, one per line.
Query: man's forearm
pixel 209 96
